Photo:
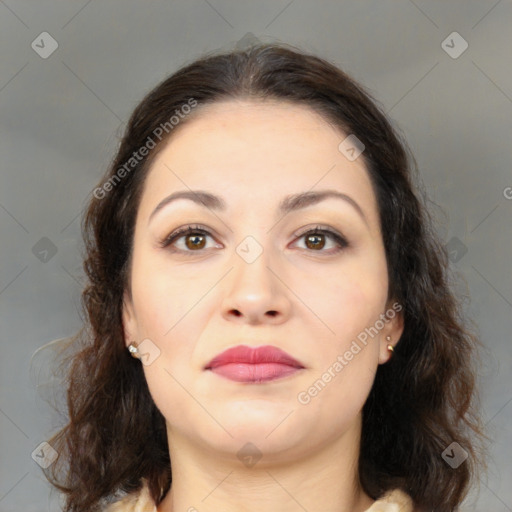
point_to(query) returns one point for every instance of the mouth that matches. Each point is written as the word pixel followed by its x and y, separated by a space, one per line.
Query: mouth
pixel 247 364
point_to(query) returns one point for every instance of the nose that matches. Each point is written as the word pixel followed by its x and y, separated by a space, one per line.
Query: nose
pixel 256 293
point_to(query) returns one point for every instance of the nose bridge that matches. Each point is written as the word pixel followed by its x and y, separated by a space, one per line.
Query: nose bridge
pixel 255 291
pixel 253 261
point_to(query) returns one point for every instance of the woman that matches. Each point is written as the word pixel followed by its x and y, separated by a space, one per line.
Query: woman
pixel 271 324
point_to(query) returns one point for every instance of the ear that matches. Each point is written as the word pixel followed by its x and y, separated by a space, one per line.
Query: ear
pixel 393 328
pixel 129 319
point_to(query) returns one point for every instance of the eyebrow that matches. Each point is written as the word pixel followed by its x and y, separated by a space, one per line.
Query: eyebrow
pixel 289 204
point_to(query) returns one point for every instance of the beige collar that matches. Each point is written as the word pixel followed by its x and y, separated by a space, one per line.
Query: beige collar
pixel 393 501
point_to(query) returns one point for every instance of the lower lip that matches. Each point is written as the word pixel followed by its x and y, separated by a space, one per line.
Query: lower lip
pixel 262 372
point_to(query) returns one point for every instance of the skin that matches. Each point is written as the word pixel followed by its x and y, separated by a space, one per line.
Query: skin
pixel 193 305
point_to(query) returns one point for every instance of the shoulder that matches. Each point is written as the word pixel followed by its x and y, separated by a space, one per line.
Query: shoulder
pixel 393 501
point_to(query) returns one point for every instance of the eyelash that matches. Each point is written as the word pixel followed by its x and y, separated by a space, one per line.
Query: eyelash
pixel 200 230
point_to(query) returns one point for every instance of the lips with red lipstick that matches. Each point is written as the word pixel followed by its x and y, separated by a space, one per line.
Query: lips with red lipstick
pixel 248 364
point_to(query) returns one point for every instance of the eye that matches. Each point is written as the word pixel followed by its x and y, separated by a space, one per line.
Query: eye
pixel 315 239
pixel 194 237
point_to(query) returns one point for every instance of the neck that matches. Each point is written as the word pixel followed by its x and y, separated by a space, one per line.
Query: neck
pixel 325 478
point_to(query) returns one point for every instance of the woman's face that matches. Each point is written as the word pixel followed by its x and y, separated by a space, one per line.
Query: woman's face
pixel 254 279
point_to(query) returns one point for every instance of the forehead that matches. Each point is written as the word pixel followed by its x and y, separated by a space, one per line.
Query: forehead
pixel 260 151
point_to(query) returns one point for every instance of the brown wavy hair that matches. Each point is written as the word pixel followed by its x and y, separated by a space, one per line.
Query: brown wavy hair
pixel 424 399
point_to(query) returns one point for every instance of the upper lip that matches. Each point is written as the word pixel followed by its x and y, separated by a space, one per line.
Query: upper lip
pixel 253 355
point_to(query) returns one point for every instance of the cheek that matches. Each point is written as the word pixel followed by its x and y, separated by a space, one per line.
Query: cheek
pixel 163 297
pixel 172 310
pixel 346 352
pixel 347 300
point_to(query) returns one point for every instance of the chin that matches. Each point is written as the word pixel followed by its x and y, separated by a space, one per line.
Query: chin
pixel 270 425
pixel 253 441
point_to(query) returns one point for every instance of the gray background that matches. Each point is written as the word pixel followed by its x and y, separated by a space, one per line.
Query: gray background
pixel 60 121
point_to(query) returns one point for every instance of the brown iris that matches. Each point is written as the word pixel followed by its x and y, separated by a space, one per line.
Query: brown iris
pixel 195 244
pixel 313 240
